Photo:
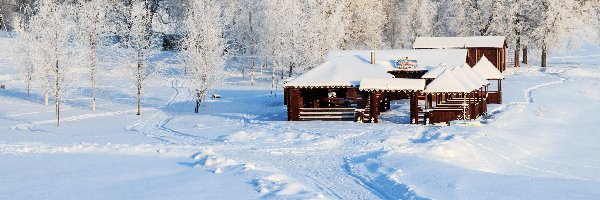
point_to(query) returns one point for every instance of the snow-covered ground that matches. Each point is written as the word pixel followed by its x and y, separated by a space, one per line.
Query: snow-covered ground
pixel 542 143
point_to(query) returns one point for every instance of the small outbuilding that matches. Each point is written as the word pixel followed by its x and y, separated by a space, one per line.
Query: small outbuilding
pixel 493 47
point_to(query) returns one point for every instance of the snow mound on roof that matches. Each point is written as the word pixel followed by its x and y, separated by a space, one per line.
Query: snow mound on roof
pixel 447 82
pixel 426 58
pixel 478 79
pixel 486 69
pixel 340 72
pixel 465 79
pixel 458 42
pixel 434 73
pixel 396 84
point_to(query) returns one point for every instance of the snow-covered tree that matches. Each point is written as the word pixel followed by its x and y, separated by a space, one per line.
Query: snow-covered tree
pixel 204 45
pixel 475 17
pixel 366 22
pixel 55 26
pixel 406 20
pixel 568 19
pixel 90 22
pixel 242 20
pixel 332 24
pixel 520 17
pixel 24 48
pixel 141 31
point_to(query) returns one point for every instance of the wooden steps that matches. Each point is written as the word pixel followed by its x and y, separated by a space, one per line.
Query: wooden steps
pixel 327 114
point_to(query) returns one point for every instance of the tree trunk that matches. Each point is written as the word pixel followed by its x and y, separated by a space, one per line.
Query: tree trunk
pixel 197 107
pixel 273 79
pixel 525 61
pixel 93 89
pixel 544 54
pixel 244 66
pixel 47 89
pixel 139 82
pixel 57 94
pixel 94 57
pixel 29 79
pixel 517 51
pixel 291 69
pixel 252 66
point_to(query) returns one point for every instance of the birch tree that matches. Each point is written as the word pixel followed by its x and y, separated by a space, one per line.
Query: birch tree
pixel 90 21
pixel 141 31
pixel 24 48
pixel 204 45
pixel 42 25
pixel 56 26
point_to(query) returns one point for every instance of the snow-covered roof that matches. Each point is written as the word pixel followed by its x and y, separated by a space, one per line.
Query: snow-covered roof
pixel 394 84
pixel 447 82
pixel 478 79
pixel 469 83
pixel 434 73
pixel 340 72
pixel 486 69
pixel 426 58
pixel 458 42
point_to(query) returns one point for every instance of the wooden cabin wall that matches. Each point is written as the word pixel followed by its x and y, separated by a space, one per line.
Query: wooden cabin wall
pixel 374 106
pixel 296 101
pixel 496 55
pixel 353 93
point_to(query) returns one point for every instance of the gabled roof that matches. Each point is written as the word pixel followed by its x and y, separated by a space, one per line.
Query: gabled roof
pixel 394 84
pixel 447 82
pixel 426 58
pixel 459 42
pixel 473 75
pixel 487 70
pixel 434 73
pixel 340 72
pixel 466 80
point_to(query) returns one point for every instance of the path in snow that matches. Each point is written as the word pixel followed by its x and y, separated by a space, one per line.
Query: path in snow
pixel 320 162
pixel 528 95
pixel 153 123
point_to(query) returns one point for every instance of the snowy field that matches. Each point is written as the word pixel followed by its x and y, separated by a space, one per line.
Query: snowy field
pixel 542 143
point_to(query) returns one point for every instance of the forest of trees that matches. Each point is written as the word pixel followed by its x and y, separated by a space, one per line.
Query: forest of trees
pixel 282 37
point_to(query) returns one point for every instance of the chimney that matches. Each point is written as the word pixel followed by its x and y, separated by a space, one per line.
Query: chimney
pixel 372 57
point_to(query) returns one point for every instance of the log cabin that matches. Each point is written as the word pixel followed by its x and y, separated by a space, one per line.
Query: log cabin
pixel 359 85
pixel 493 47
